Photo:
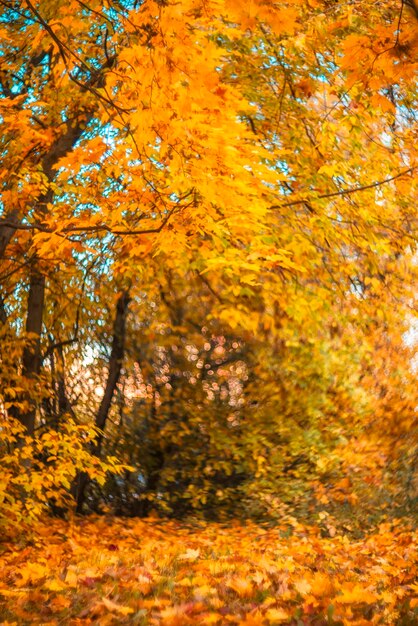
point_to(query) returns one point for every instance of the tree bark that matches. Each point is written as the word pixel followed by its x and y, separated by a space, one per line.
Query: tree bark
pixel 64 404
pixel 62 146
pixel 115 366
pixel 31 360
pixel 7 232
pixel 116 358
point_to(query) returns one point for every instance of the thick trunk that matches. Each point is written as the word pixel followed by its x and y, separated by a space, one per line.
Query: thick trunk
pixel 7 232
pixel 3 314
pixel 62 146
pixel 115 366
pixel 31 360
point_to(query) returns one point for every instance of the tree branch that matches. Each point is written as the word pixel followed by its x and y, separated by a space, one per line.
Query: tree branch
pixel 344 192
pixel 91 229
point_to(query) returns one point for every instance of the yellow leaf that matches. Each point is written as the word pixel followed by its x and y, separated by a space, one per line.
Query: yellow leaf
pixel 302 586
pixel 203 590
pixel 55 585
pixel 328 169
pixel 321 585
pixel 118 608
pixel 71 578
pixel 242 586
pixel 144 584
pixel 277 615
pixel 212 618
pixel 31 572
pixel 185 582
pixel 356 595
pixel 190 555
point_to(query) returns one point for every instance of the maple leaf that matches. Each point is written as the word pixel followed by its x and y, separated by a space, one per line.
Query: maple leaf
pixel 190 554
pixel 242 586
pixel 115 607
pixel 302 586
pixel 356 594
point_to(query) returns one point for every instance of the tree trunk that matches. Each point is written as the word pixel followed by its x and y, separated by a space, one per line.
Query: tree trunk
pixel 31 360
pixel 7 232
pixel 64 404
pixel 115 366
pixel 116 358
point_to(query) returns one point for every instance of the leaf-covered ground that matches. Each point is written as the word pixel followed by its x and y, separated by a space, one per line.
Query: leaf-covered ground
pixel 119 571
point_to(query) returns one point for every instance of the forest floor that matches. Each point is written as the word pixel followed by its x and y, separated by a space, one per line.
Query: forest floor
pixel 102 570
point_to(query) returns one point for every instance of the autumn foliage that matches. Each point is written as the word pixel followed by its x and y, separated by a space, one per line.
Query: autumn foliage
pixel 153 572
pixel 207 293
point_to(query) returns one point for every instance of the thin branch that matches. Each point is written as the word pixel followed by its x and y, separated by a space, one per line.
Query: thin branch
pixel 343 192
pixel 98 95
pixel 64 49
pixel 398 27
pixel 92 229
pixel 209 286
pixel 59 344
pixel 3 313
pixel 61 46
pixel 98 13
pixel 84 229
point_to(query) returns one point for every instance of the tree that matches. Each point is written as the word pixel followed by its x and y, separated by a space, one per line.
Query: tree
pixel 236 167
